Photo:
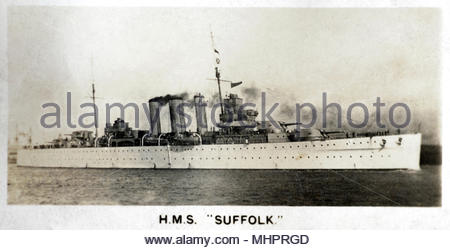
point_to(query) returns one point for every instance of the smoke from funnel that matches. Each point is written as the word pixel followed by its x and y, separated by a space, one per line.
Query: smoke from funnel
pixel 251 93
pixel 286 110
pixel 214 99
pixel 163 100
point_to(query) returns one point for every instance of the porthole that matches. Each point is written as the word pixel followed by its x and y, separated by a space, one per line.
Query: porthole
pixel 350 156
pixel 317 156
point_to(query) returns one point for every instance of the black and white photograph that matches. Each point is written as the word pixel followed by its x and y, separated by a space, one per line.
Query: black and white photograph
pixel 224 106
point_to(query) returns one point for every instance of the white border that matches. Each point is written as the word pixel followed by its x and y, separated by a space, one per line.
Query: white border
pixel 146 217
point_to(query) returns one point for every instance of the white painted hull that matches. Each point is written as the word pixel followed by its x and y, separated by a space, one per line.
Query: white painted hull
pixel 351 153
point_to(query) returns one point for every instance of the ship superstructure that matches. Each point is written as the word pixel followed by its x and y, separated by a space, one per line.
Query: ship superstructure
pixel 240 141
pixel 237 141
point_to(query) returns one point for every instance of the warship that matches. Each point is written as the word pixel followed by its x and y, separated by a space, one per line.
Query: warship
pixel 237 141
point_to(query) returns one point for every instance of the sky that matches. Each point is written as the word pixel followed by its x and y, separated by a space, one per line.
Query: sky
pixel 293 54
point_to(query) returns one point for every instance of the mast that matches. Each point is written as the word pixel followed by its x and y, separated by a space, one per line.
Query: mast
pixel 93 97
pixel 217 73
pixel 16 138
pixel 95 110
pixel 220 91
pixel 30 139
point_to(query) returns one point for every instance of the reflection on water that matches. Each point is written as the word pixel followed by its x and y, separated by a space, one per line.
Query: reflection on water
pixel 60 186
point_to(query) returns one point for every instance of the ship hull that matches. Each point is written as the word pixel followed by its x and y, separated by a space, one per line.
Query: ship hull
pixel 378 152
